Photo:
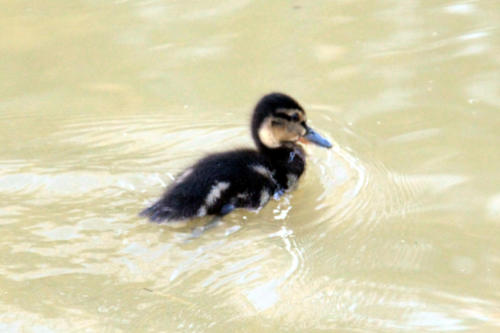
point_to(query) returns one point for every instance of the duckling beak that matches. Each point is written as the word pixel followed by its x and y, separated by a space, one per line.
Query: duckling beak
pixel 312 136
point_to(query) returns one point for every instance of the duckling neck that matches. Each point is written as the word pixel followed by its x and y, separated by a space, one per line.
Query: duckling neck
pixel 283 154
pixel 288 164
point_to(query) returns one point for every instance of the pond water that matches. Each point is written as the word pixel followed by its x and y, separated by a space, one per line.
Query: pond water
pixel 394 229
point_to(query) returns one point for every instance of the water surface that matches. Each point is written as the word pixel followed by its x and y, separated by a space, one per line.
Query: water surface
pixel 394 229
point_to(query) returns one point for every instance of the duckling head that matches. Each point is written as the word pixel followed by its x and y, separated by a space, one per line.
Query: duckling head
pixel 280 122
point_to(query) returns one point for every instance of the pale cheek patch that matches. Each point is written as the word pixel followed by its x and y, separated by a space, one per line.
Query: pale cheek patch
pixel 296 131
pixel 274 136
pixel 267 135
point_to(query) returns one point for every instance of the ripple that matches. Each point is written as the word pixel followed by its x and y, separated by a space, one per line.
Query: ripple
pixel 353 188
pixel 254 264
pixel 493 208
pixel 461 8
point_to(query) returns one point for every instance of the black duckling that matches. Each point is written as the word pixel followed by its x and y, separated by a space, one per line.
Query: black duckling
pixel 244 178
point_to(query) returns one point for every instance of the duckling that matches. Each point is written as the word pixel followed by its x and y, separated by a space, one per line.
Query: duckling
pixel 244 178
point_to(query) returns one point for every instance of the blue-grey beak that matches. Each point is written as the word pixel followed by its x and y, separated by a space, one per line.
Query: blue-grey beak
pixel 314 137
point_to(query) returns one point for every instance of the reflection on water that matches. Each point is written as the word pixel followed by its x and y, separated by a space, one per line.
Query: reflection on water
pixel 393 229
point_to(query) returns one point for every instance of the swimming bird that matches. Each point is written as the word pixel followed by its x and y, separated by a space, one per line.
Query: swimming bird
pixel 244 178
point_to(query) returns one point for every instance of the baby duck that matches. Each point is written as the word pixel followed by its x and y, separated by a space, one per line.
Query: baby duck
pixel 244 178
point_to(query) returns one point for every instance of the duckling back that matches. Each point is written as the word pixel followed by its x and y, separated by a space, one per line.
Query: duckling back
pixel 221 182
pixel 215 185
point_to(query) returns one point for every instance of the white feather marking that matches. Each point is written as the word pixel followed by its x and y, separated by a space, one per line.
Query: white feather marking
pixel 184 175
pixel 202 211
pixel 260 169
pixel 243 195
pixel 264 197
pixel 215 192
pixel 291 180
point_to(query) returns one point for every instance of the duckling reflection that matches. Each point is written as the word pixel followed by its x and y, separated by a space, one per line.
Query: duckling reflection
pixel 244 178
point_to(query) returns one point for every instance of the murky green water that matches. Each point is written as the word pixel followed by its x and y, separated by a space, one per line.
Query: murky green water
pixel 395 229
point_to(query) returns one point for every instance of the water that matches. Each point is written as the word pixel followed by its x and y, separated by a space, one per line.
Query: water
pixel 394 229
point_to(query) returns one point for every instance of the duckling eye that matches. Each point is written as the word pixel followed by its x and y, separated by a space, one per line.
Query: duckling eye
pixel 295 117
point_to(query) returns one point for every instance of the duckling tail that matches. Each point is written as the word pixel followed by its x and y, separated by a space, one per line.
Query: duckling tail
pixel 159 212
